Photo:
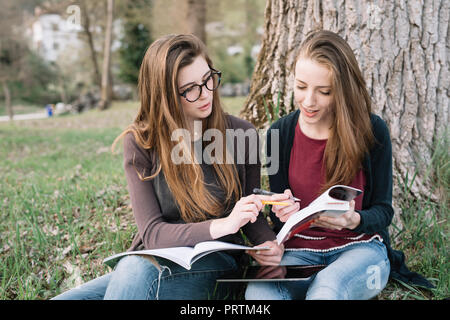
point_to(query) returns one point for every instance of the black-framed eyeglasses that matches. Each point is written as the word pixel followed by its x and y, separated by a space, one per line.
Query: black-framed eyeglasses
pixel 211 83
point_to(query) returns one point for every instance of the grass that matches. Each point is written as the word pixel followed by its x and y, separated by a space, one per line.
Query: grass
pixel 233 105
pixel 424 240
pixel 64 206
pixel 424 236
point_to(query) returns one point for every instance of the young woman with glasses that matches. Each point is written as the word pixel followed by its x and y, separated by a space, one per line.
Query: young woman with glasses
pixel 182 204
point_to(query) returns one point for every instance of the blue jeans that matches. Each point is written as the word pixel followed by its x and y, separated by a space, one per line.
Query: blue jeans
pixel 136 278
pixel 356 272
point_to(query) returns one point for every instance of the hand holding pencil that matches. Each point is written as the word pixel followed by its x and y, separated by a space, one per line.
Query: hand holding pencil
pixel 245 210
pixel 284 204
pixel 269 193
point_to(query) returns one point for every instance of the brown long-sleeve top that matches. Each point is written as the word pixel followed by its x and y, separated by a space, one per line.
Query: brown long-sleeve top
pixel 156 213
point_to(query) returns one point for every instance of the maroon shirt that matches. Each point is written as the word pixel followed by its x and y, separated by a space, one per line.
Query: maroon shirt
pixel 306 176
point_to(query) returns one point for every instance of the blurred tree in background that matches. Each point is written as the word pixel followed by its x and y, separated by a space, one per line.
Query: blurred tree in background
pixel 232 33
pixel 24 75
pixel 135 39
pixel 196 18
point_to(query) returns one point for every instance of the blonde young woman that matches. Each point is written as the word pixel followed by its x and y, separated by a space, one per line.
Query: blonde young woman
pixel 333 138
pixel 180 196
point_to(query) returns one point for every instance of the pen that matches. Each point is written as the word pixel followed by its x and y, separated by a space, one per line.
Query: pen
pixel 269 193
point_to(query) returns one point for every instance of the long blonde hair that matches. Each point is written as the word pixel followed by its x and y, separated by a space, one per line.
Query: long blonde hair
pixel 161 113
pixel 351 132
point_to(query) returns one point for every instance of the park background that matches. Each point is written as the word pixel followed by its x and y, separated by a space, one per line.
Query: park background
pixel 64 204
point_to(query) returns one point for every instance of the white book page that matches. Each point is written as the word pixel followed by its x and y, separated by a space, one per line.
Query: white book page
pixel 332 207
pixel 180 255
pixel 203 248
pixel 215 246
pixel 185 256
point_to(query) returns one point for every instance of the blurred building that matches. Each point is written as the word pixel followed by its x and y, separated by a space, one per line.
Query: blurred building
pixel 51 34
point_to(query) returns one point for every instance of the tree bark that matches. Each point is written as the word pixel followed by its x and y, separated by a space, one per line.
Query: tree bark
pixel 196 18
pixel 105 89
pixel 7 94
pixel 87 30
pixel 402 50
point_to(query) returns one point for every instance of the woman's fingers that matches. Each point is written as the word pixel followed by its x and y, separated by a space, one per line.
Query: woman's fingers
pixel 345 220
pixel 244 217
pixel 294 206
pixel 256 199
pixel 251 207
pixel 271 256
pixel 264 260
pixel 323 222
pixel 284 213
pixel 254 204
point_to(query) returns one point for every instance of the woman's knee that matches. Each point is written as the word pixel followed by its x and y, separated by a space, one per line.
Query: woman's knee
pixel 352 276
pixel 265 291
pixel 134 268
pixel 133 278
pixel 256 291
pixel 376 278
pixel 327 285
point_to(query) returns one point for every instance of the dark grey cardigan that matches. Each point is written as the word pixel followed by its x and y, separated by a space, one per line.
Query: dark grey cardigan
pixel 377 212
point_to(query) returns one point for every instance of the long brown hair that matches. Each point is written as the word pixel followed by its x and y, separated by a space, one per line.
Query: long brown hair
pixel 161 113
pixel 351 131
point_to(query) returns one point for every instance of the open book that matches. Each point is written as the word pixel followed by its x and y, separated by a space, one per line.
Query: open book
pixel 333 202
pixel 184 256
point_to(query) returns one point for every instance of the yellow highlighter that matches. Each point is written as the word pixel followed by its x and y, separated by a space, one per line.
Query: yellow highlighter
pixel 276 203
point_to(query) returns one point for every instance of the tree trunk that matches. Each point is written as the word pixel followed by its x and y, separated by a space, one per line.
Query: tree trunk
pixel 196 18
pixel 105 89
pixel 87 31
pixel 401 50
pixel 8 105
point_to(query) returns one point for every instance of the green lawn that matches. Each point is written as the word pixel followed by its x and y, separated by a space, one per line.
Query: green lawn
pixel 64 206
